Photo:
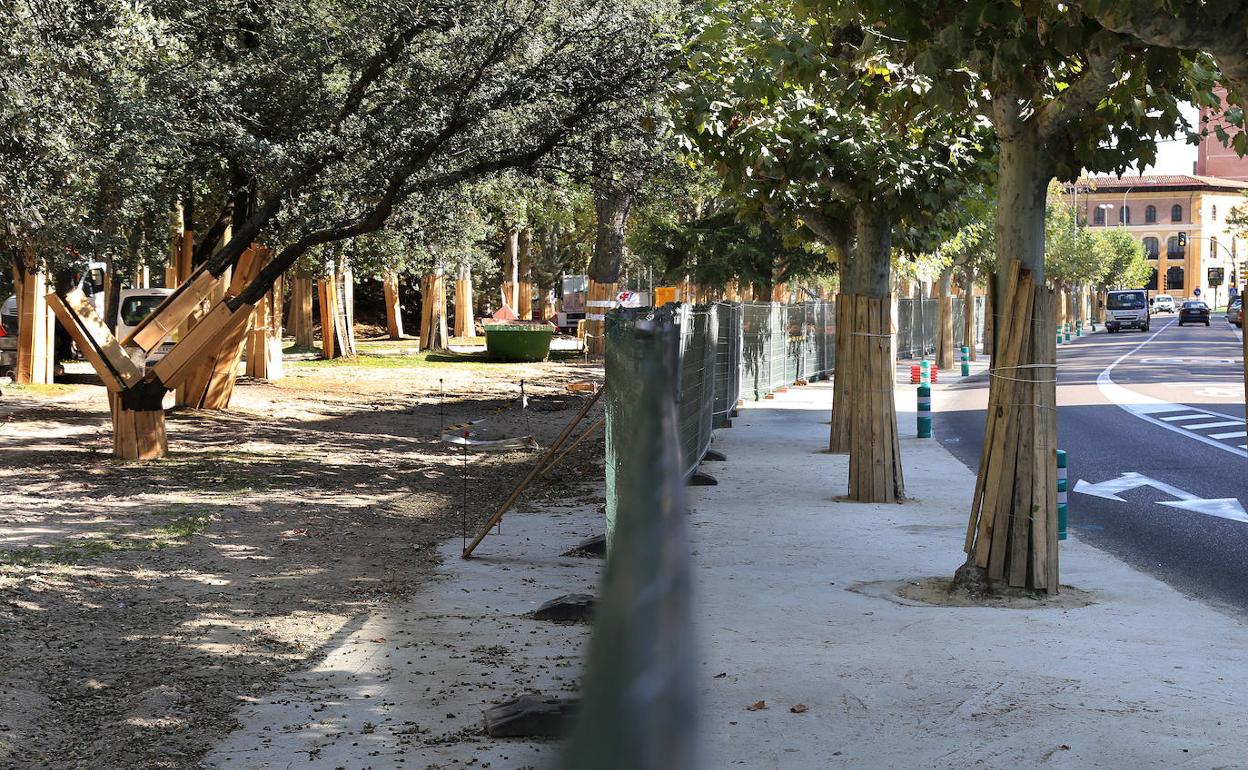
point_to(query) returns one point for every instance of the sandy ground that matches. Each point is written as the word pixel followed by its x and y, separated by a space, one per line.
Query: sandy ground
pixel 142 605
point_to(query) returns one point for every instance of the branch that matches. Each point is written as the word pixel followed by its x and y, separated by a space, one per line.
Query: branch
pixel 1076 100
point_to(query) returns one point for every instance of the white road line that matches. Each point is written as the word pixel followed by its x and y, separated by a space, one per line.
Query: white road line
pixel 1223 424
pixel 1236 434
pixel 1199 416
pixel 1145 407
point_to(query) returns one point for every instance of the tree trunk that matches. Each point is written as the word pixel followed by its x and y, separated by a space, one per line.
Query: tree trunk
pixel 968 313
pixel 944 321
pixel 138 434
pixel 394 313
pixel 875 474
pixel 464 324
pixel 511 270
pixel 524 292
pixel 1012 532
pixel 547 306
pixel 301 297
pixel 433 334
pixel 611 207
pixel 337 312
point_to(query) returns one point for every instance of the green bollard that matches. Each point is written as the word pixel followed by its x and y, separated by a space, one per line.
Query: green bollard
pixel 1061 494
pixel 1059 334
pixel 925 372
pixel 966 361
pixel 925 411
pixel 1079 328
pixel 1067 332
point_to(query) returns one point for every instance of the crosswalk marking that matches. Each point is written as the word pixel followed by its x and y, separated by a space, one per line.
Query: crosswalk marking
pixel 1185 417
pixel 1235 434
pixel 1223 424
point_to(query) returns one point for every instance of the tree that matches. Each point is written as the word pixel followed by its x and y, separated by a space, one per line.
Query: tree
pixel 1063 93
pixel 807 117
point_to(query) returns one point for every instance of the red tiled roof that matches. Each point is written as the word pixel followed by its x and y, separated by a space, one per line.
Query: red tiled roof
pixel 1159 182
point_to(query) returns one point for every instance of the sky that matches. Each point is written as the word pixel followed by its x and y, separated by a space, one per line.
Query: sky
pixel 1176 156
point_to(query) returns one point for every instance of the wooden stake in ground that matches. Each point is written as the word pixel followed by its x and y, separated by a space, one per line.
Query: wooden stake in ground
pixel 394 314
pixel 302 293
pixel 538 467
pixel 1012 532
pixel 264 341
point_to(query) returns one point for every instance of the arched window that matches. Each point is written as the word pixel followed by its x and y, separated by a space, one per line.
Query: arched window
pixel 1152 247
pixel 1213 214
pixel 1124 215
pixel 1173 249
pixel 1098 218
pixel 1150 214
pixel 1213 248
pixel 1176 213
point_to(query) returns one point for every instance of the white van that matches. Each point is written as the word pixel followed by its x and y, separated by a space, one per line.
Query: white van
pixel 1127 310
pixel 132 307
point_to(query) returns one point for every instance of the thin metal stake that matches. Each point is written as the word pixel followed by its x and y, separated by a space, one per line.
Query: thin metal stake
pixel 441 408
pixel 464 474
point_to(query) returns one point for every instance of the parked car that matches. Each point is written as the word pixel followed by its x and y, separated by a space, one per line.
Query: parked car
pixel 1163 303
pixel 132 307
pixel 1126 310
pixel 1193 312
pixel 1235 312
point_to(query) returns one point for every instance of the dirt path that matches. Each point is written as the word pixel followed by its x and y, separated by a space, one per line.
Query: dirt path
pixel 140 605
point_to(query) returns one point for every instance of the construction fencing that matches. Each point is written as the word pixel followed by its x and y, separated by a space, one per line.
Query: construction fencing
pixel 916 325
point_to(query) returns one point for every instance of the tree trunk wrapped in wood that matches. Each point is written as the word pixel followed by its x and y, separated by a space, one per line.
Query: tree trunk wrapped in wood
pixel 600 298
pixel 524 276
pixel 138 434
pixel 36 325
pixel 212 384
pixel 511 270
pixel 875 474
pixel 838 439
pixel 302 292
pixel 433 334
pixel 337 306
pixel 944 321
pixel 264 341
pixel 1012 532
pixel 394 312
pixel 465 325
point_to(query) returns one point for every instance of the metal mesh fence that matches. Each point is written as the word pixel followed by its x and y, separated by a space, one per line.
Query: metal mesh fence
pixel 916 325
pixel 639 700
pixel 781 344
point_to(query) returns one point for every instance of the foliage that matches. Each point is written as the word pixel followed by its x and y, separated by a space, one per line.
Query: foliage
pixel 1126 265
pixel 1077 255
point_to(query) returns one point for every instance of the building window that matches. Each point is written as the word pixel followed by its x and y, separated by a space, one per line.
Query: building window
pixel 1150 214
pixel 1213 213
pixel 1213 248
pixel 1098 218
pixel 1152 247
pixel 1173 250
pixel 1176 213
pixel 1124 215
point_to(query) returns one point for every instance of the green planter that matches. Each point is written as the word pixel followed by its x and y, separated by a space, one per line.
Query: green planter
pixel 518 341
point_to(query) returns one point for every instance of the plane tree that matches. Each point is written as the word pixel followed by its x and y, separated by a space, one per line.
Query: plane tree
pixel 807 116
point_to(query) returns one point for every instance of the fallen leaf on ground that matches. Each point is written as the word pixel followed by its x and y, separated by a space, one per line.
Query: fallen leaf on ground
pixel 799 708
pixel 762 704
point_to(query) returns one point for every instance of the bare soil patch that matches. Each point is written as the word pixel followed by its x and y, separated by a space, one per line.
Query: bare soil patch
pixel 939 592
pixel 141 604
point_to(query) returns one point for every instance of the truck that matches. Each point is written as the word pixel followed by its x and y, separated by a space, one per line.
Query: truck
pixel 1127 309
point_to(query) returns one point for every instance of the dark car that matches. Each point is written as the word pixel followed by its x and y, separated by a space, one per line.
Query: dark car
pixel 1235 313
pixel 1194 312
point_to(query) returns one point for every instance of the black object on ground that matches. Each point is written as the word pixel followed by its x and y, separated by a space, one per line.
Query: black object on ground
pixel 530 716
pixel 569 608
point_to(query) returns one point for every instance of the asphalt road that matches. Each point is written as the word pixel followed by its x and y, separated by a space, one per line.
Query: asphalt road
pixel 1166 405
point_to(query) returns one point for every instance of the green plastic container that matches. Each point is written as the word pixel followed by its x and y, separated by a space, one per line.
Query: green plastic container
pixel 518 341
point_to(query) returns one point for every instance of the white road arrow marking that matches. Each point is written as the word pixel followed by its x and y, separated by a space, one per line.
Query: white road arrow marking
pixel 1224 507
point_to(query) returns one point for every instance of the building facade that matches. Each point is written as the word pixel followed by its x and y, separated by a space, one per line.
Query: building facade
pixel 1180 220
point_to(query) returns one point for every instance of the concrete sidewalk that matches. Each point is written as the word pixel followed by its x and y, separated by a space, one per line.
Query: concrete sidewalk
pixel 793 607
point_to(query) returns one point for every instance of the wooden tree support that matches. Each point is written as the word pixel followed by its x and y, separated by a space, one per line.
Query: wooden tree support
pixel 538 467
pixel 264 339
pixel 875 474
pixel 211 385
pixel 337 305
pixel 1012 532
pixel 300 321
pixel 464 323
pixel 77 315
pixel 35 354
pixel 593 428
pixel 838 439
pixel 138 434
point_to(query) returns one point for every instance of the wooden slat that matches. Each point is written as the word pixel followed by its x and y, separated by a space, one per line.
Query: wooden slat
pixel 200 343
pixel 87 344
pixel 162 322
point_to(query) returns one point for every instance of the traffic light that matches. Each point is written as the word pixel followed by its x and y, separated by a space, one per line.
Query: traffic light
pixel 1182 240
